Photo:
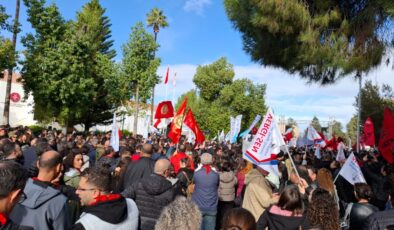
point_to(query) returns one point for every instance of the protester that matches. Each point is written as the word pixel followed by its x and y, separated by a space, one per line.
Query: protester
pixel 180 214
pixel 152 194
pixel 73 164
pixel 185 176
pixel 227 189
pixel 103 210
pixel 321 212
pixel 258 194
pixel 45 206
pixel 238 218
pixel 12 182
pixel 205 193
pixel 176 158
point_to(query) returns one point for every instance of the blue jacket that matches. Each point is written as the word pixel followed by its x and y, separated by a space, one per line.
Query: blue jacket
pixel 205 193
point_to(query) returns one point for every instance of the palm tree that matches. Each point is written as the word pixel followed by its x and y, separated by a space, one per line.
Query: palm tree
pixel 155 19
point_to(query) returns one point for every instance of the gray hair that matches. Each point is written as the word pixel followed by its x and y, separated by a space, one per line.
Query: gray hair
pixel 206 159
pixel 180 214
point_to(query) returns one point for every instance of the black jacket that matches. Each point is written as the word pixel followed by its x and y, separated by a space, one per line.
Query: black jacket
pixel 278 222
pixel 151 195
pixel 137 170
pixel 359 213
pixel 379 220
pixel 12 226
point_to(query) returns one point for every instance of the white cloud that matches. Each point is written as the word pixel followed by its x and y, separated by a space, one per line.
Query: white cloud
pixel 288 95
pixel 196 6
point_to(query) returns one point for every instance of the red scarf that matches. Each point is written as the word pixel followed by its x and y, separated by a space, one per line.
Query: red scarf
pixel 106 198
pixel 3 219
pixel 207 168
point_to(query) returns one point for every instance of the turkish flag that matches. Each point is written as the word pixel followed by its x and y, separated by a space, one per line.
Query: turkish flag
pixel 176 125
pixel 192 124
pixel 167 73
pixel 369 135
pixel 386 142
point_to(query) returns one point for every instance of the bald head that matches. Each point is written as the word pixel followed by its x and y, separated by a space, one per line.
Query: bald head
pixel 49 160
pixel 147 149
pixel 161 166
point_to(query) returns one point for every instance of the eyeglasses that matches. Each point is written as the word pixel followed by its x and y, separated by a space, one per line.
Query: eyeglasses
pixel 22 197
pixel 86 189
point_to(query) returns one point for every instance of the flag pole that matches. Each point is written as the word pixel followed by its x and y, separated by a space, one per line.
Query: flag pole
pixel 183 117
pixel 292 162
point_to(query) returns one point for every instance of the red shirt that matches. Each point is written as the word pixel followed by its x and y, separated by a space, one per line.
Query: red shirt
pixel 176 161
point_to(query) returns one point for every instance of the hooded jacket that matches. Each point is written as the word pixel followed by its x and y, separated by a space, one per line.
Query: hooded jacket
pixel 120 214
pixel 45 208
pixel 258 193
pixel 227 186
pixel 151 195
pixel 286 221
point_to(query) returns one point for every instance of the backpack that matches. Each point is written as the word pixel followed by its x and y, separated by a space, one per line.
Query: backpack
pixel 345 221
pixel 190 186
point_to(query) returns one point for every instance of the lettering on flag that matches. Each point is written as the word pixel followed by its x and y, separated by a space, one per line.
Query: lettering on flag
pixel 351 171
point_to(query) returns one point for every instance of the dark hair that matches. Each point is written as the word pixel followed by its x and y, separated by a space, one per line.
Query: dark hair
pixel 69 160
pixel 186 161
pixel 99 177
pixel 290 200
pixel 8 148
pixel 50 163
pixel 226 166
pixel 320 210
pixel 238 218
pixel 12 177
pixel 363 191
pixel 181 148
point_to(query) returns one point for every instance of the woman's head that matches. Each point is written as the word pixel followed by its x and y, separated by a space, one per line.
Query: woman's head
pixel 238 219
pixel 324 179
pixel 321 210
pixel 74 160
pixel 185 162
pixel 362 191
pixel 290 200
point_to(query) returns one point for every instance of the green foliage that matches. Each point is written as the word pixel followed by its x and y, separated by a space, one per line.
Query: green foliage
pixel 7 58
pixel 337 129
pixel 373 102
pixel 66 64
pixel 291 123
pixel 316 124
pixel 156 19
pixel 139 64
pixel 351 128
pixel 36 129
pixel 320 40
pixel 210 79
pixel 219 97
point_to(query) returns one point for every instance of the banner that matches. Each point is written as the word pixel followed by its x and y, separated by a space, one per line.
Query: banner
pixel 386 142
pixel 369 134
pixel 114 141
pixel 266 145
pixel 175 130
pixel 351 171
pixel 341 152
pixel 192 124
pixel 314 136
pixel 255 121
pixel 221 136
pixel 237 128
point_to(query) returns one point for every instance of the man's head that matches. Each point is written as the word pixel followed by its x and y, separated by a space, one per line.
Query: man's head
pixel 3 131
pixel 163 167
pixel 13 179
pixel 147 150
pixel 50 165
pixel 94 182
pixel 206 159
pixel 11 151
pixel 181 148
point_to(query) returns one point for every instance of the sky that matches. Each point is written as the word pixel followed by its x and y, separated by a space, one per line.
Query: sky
pixel 199 33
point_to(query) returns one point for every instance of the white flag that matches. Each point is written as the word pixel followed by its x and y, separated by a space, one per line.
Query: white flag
pixel 221 136
pixel 341 154
pixel 227 138
pixel 114 142
pixel 312 134
pixel 266 145
pixel 351 171
pixel 237 128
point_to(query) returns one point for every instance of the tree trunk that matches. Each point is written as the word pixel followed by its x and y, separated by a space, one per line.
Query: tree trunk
pixel 152 106
pixel 135 127
pixel 6 111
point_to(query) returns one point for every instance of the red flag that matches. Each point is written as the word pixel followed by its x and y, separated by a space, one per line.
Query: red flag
pixel 192 124
pixel 369 135
pixel 166 79
pixel 176 125
pixel 164 110
pixel 288 135
pixel 386 142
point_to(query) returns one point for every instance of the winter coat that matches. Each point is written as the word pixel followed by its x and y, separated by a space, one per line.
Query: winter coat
pixel 258 193
pixel 45 208
pixel 227 186
pixel 276 219
pixel 379 220
pixel 123 215
pixel 359 213
pixel 72 177
pixel 151 195
pixel 137 170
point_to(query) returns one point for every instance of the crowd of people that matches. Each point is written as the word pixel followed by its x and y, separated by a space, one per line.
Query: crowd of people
pixel 53 180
